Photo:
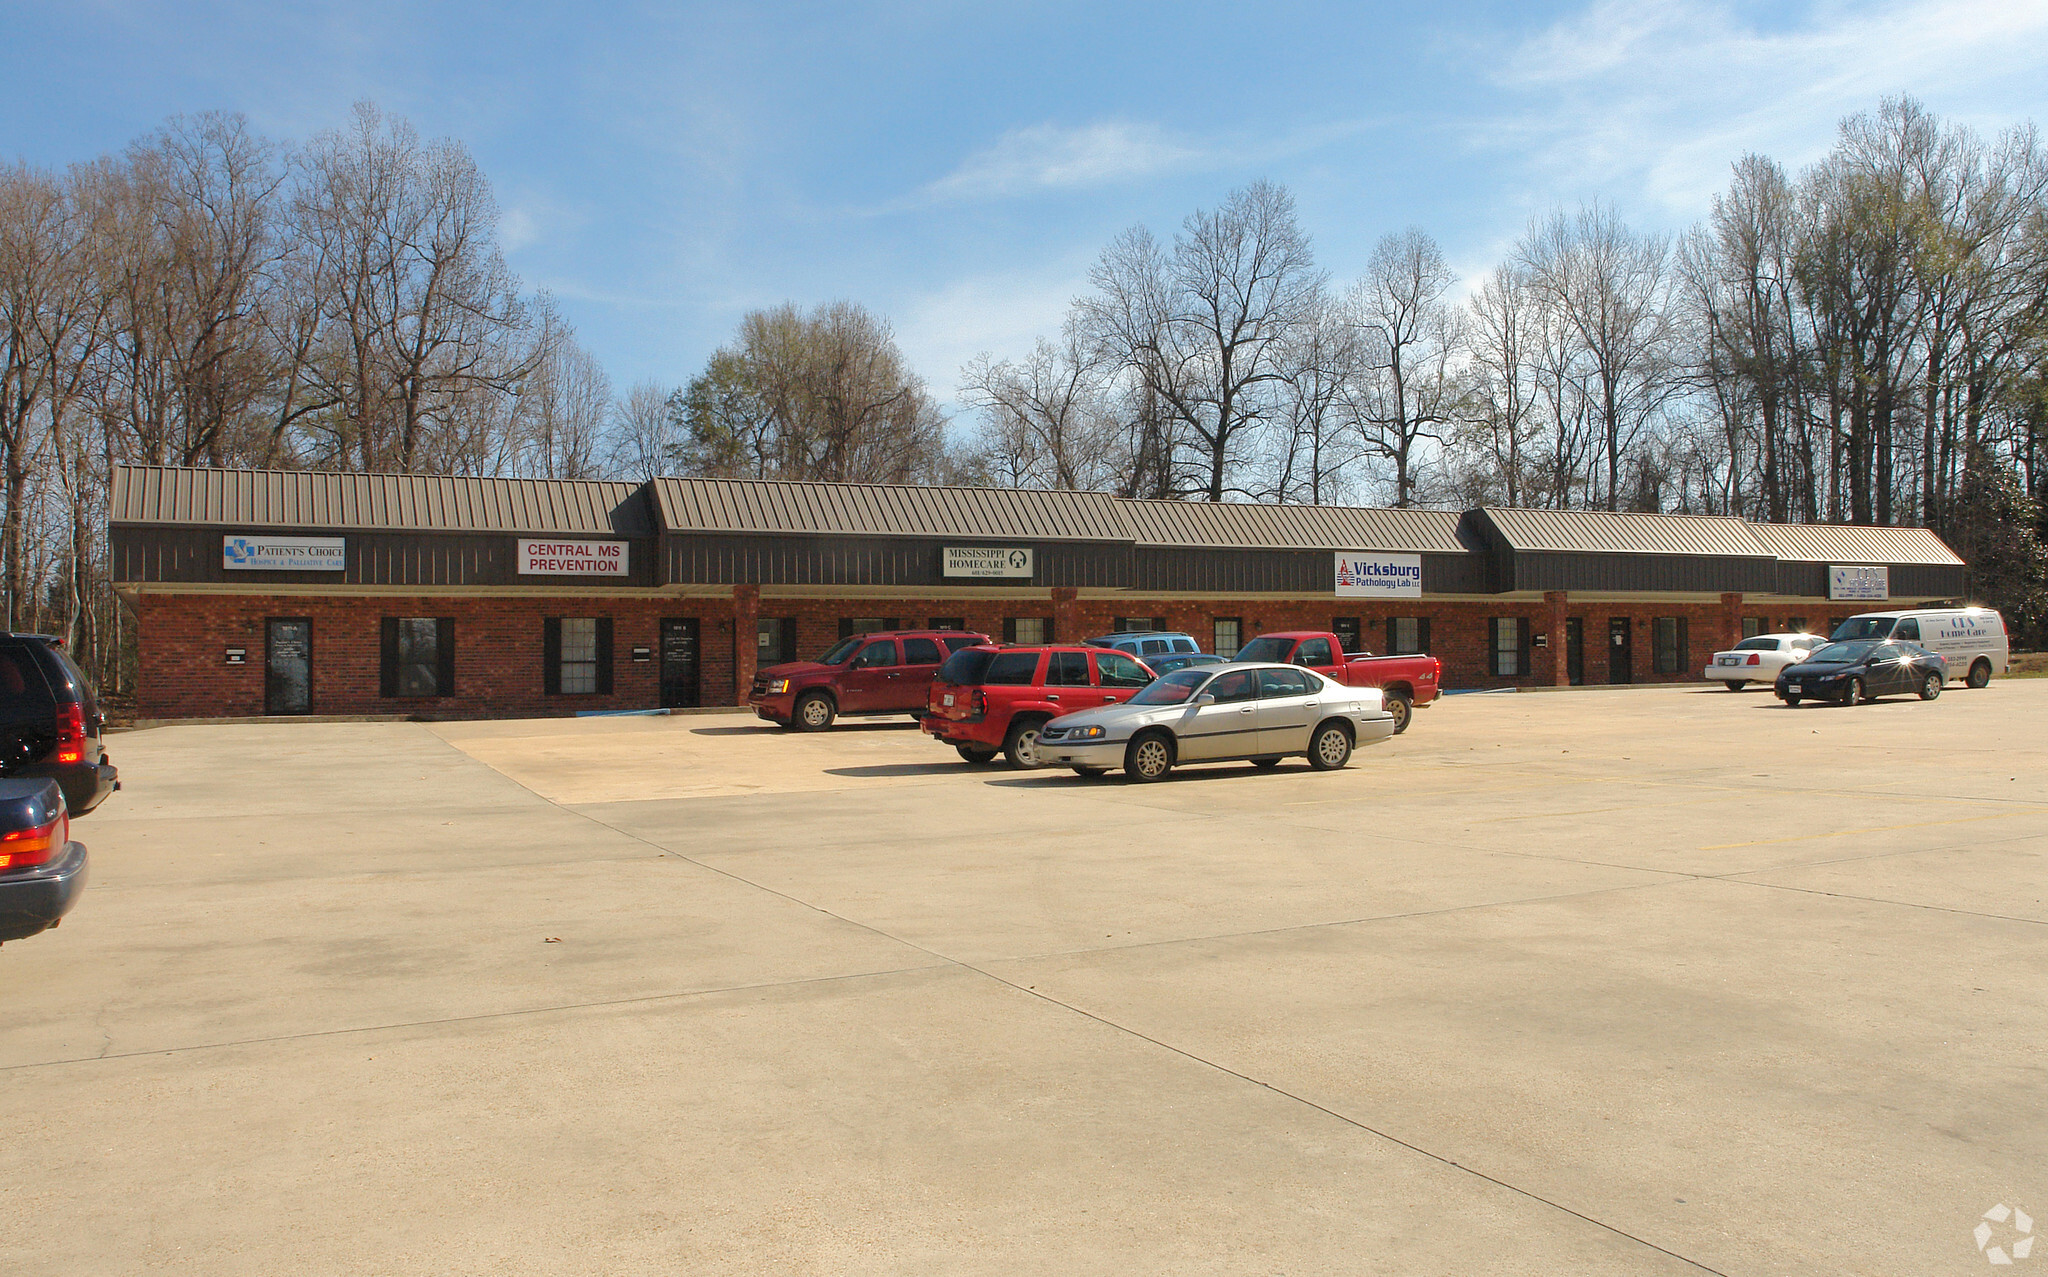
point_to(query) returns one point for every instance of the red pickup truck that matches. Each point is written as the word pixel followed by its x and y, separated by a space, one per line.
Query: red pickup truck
pixel 1409 682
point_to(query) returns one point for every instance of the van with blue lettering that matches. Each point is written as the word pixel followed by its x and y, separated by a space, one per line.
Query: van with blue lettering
pixel 1971 639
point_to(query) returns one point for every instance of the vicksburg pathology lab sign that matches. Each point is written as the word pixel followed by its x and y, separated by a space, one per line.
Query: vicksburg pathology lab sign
pixel 554 557
pixel 1378 576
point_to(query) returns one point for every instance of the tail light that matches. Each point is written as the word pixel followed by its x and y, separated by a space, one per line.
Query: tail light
pixel 71 734
pixel 980 703
pixel 1754 659
pixel 35 846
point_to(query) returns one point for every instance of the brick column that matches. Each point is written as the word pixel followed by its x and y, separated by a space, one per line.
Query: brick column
pixel 1731 621
pixel 746 614
pixel 1066 614
pixel 1560 665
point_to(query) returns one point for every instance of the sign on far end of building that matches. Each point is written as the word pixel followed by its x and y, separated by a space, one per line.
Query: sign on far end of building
pixel 253 552
pixel 1859 583
pixel 555 556
pixel 1373 575
pixel 988 562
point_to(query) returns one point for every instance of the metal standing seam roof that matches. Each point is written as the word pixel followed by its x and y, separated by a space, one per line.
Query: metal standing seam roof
pixel 1600 532
pixel 1295 527
pixel 876 509
pixel 401 502
pixel 1839 543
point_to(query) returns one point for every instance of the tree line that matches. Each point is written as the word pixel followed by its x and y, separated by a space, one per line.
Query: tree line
pixel 1864 341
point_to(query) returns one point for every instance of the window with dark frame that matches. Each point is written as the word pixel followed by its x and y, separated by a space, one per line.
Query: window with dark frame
pixel 1667 641
pixel 579 655
pixel 1136 624
pixel 417 657
pixel 1507 646
pixel 1027 629
pixel 1407 635
pixel 775 639
pixel 1795 625
pixel 576 655
pixel 1755 625
pixel 1229 631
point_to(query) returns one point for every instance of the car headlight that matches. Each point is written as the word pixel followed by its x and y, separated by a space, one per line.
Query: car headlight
pixel 1086 733
pixel 777 687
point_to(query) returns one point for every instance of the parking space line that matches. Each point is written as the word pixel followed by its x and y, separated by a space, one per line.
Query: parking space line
pixel 1872 829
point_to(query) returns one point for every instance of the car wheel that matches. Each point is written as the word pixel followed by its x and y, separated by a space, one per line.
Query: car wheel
pixel 1148 758
pixel 1268 763
pixel 1088 773
pixel 1737 684
pixel 1980 674
pixel 1852 692
pixel 976 756
pixel 1402 707
pixel 1791 702
pixel 1020 744
pixel 1930 687
pixel 1329 748
pixel 815 712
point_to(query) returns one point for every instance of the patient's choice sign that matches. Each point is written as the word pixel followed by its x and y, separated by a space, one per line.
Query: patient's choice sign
pixel 1378 576
pixel 571 558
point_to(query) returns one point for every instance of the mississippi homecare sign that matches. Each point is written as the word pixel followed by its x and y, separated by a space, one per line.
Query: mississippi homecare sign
pixel 992 563
pixel 249 552
pixel 554 557
pixel 1378 576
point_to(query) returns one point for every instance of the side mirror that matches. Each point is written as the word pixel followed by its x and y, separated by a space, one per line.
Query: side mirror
pixel 1206 698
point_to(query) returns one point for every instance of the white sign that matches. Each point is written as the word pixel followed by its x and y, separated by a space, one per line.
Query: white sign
pixel 1859 583
pixel 986 564
pixel 250 552
pixel 571 558
pixel 1378 576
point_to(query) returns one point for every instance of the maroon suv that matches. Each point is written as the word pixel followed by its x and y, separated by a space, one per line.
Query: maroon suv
pixel 990 699
pixel 884 673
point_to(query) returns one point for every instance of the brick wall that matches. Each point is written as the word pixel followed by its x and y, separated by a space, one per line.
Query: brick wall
pixel 498 642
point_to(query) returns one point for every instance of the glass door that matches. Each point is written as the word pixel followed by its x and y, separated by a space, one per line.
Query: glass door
pixel 679 672
pixel 288 665
pixel 1575 650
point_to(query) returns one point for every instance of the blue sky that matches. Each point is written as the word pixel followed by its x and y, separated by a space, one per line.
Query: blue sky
pixel 955 167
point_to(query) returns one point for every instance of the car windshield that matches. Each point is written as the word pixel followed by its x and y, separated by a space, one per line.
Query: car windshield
pixel 1842 653
pixel 846 648
pixel 1171 689
pixel 1275 650
pixel 1863 627
pixel 965 667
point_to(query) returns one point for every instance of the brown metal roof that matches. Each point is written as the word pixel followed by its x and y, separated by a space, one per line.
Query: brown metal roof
pixel 309 499
pixel 1839 543
pixel 876 509
pixel 1294 527
pixel 1598 532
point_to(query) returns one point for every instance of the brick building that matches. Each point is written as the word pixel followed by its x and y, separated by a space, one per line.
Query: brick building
pixel 287 592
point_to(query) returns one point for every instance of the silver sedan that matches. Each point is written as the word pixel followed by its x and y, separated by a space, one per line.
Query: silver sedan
pixel 1219 713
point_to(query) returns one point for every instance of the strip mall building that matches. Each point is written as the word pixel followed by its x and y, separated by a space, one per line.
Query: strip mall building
pixel 285 592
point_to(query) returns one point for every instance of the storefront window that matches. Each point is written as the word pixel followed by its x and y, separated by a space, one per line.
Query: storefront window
pixel 1407 635
pixel 418 656
pixel 1754 625
pixel 1028 629
pixel 1229 632
pixel 579 655
pixel 1667 635
pixel 1507 646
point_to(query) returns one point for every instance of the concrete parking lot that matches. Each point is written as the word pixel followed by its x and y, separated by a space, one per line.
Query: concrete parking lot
pixel 1638 981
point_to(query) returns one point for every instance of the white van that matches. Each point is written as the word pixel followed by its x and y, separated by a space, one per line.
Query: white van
pixel 1971 639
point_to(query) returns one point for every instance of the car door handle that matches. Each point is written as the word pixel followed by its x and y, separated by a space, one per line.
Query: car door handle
pixel 1246 710
pixel 1052 696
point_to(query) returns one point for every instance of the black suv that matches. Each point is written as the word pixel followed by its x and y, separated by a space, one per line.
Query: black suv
pixel 50 722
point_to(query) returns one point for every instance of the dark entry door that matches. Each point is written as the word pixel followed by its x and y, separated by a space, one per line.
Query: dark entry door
pixel 288 666
pixel 1575 650
pixel 679 686
pixel 1620 651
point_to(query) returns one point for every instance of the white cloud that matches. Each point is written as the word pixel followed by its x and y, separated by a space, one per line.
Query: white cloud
pixel 517 228
pixel 1047 157
pixel 1002 314
pixel 1665 96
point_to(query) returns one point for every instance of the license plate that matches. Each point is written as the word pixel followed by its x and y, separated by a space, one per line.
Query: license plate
pixel 948 699
pixel 1730 660
pixel 1793 688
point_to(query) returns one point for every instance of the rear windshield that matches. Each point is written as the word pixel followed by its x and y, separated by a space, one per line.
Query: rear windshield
pixel 1864 627
pixel 1757 645
pixel 1842 653
pixel 979 665
pixel 1266 649
pixel 22 687
pixel 965 667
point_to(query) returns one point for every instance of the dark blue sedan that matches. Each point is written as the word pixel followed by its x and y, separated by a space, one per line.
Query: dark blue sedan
pixel 1859 670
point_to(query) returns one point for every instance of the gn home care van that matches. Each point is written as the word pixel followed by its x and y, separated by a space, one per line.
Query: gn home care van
pixel 1972 639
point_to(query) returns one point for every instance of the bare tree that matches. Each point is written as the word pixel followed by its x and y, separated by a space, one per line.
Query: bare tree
pixel 1047 420
pixel 1316 450
pixel 1411 337
pixel 646 436
pixel 1205 328
pixel 1502 391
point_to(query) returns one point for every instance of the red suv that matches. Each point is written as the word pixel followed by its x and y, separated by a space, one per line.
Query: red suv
pixel 884 673
pixel 990 699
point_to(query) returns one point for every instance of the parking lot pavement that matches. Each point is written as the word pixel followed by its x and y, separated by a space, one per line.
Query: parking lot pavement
pixel 1611 982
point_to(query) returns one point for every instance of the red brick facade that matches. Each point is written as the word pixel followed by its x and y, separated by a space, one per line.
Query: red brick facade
pixel 498 641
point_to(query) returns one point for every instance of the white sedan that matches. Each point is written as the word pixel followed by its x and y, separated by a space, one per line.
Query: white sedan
pixel 1759 659
pixel 1217 713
